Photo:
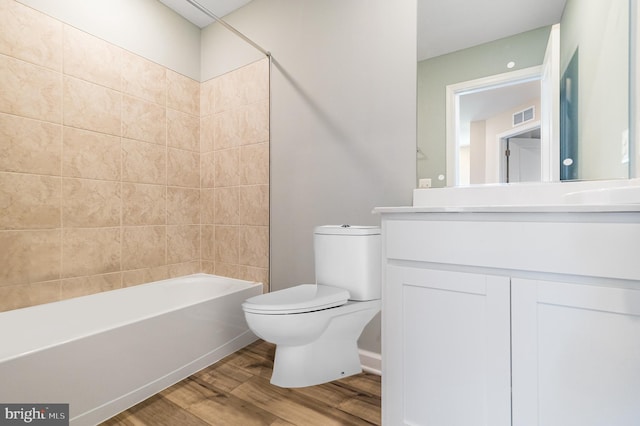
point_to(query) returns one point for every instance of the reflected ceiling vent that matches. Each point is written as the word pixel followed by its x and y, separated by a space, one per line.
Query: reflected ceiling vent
pixel 523 116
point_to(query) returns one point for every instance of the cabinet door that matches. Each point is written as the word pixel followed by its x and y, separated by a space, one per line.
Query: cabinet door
pixel 576 354
pixel 446 348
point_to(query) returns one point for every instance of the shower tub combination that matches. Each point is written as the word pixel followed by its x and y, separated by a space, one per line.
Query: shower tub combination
pixel 106 352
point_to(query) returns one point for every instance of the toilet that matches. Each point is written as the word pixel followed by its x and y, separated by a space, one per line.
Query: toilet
pixel 315 327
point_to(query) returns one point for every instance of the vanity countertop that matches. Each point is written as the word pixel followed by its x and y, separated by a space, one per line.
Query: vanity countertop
pixel 522 208
pixel 547 197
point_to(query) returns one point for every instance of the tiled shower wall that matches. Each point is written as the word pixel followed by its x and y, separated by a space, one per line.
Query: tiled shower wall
pixel 116 171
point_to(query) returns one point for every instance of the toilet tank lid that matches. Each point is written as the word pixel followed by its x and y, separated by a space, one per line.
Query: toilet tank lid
pixel 347 230
pixel 298 299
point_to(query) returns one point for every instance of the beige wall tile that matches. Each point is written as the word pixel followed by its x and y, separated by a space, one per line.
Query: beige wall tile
pixel 254 246
pixel 227 129
pixel 224 269
pixel 143 276
pixel 29 256
pixel 30 35
pixel 252 82
pixel 208 242
pixel 123 224
pixel 183 130
pixel 207 132
pixel 30 90
pixel 227 206
pixel 143 162
pixel 183 243
pixel 91 107
pixel 143 78
pixel 92 155
pixel 254 164
pixel 144 121
pixel 144 246
pixel 254 123
pixel 90 251
pixel 207 206
pixel 183 206
pixel 23 295
pixel 225 95
pixel 254 205
pixel 183 168
pixel 207 170
pixel 82 286
pixel 259 275
pixel 29 201
pixel 92 59
pixel 206 97
pixel 241 87
pixel 227 167
pixel 29 146
pixel 144 204
pixel 208 267
pixel 183 93
pixel 90 203
pixel 227 244
pixel 182 269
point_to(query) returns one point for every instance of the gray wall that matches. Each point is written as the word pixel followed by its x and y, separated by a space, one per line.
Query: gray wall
pixel 526 50
pixel 343 126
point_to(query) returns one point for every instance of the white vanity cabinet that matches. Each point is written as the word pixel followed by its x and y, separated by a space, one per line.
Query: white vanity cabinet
pixel 446 348
pixel 511 317
pixel 576 354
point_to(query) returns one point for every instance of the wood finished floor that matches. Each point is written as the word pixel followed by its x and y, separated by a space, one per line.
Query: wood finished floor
pixel 236 391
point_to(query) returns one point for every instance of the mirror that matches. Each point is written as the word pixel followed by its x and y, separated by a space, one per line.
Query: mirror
pixel 582 128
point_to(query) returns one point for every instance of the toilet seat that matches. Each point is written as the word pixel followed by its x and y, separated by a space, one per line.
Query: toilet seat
pixel 295 300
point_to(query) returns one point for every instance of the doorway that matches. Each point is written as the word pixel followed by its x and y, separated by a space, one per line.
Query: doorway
pixel 521 157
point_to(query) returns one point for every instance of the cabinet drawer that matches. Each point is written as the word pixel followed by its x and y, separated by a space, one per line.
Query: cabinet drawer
pixel 601 249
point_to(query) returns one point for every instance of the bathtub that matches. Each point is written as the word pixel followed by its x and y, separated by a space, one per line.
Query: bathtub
pixel 106 352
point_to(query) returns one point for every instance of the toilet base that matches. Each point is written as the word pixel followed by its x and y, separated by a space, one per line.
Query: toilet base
pixel 315 363
pixel 333 355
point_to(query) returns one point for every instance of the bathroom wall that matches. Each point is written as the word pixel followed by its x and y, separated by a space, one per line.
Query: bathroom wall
pixel 100 166
pixel 145 27
pixel 343 90
pixel 235 173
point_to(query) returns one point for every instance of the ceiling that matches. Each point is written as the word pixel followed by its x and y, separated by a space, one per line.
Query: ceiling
pixel 482 105
pixel 219 8
pixel 447 26
pixel 443 26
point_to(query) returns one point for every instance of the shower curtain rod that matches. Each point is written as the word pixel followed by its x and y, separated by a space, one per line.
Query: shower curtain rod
pixel 210 14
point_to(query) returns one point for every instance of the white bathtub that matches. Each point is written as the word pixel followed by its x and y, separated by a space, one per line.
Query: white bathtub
pixel 105 352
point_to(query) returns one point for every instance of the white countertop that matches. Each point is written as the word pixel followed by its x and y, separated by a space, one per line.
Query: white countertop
pixel 558 208
pixel 546 197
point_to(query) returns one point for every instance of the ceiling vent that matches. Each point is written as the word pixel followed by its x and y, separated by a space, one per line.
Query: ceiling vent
pixel 523 116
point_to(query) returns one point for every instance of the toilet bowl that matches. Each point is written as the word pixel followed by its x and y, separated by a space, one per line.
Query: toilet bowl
pixel 312 347
pixel 315 327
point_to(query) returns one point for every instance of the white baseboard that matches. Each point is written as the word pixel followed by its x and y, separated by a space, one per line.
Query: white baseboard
pixel 371 362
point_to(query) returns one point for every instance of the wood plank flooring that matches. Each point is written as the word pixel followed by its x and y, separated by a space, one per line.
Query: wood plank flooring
pixel 236 391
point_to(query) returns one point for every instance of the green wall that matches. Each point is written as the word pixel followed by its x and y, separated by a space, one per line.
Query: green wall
pixel 526 50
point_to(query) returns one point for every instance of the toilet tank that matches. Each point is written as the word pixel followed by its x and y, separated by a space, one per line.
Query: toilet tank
pixel 349 257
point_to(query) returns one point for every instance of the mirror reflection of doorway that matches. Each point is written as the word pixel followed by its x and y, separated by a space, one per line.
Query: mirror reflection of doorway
pixel 521 157
pixel 469 162
pixel 485 116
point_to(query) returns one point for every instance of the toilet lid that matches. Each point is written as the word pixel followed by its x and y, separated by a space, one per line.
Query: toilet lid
pixel 298 299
